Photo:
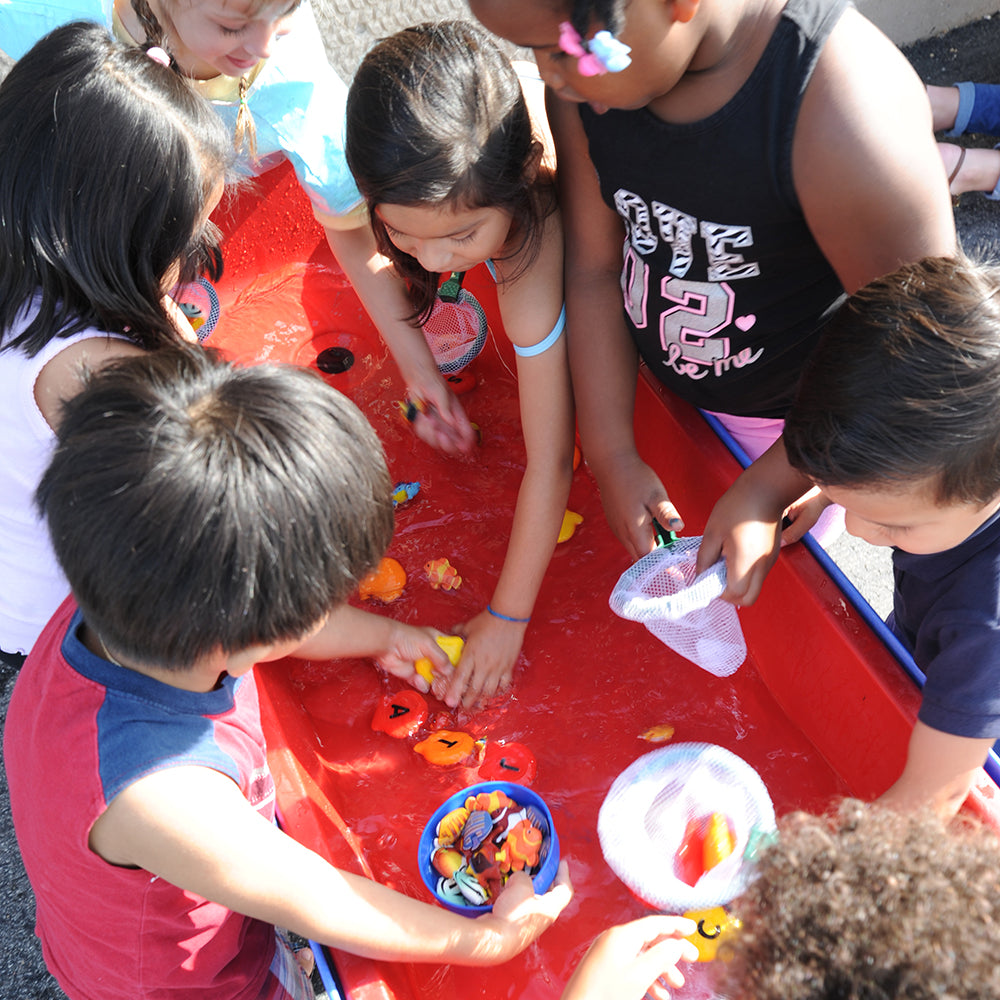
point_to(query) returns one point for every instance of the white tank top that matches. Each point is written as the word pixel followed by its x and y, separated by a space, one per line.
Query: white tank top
pixel 32 585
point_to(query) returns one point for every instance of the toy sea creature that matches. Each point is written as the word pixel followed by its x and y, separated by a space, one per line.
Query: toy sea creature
pixel 400 715
pixel 442 575
pixel 452 646
pixel 719 840
pixel 707 841
pixel 446 747
pixel 508 762
pixel 451 826
pixel 477 828
pixel 569 522
pixel 658 734
pixel 447 861
pixel 385 582
pixel 402 492
pixel 522 846
pixel 715 928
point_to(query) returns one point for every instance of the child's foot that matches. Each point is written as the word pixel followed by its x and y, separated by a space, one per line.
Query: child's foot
pixel 970 169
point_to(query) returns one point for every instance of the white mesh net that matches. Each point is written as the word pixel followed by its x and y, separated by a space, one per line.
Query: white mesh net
pixel 456 332
pixel 681 609
pixel 654 805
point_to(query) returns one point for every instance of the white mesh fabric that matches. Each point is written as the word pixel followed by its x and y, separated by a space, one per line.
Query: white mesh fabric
pixel 682 610
pixel 644 817
pixel 456 332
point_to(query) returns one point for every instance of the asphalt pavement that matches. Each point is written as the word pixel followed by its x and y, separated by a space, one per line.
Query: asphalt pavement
pixel 349 28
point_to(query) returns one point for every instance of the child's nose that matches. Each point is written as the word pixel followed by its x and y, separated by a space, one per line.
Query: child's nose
pixel 433 257
pixel 260 38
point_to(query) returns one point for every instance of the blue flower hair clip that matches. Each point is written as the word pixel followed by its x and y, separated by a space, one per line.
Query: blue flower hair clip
pixel 602 54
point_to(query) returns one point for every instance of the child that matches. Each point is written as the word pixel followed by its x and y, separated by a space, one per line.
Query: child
pixel 968 107
pixel 262 65
pixel 440 142
pixel 896 419
pixel 867 903
pixel 739 142
pixel 207 517
pixel 82 119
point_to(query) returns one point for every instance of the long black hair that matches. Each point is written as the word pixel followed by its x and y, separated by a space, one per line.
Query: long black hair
pixel 107 159
pixel 436 116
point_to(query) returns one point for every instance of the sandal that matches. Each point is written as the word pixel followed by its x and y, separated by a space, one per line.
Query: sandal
pixel 956 198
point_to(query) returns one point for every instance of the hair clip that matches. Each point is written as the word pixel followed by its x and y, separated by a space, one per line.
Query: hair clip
pixel 602 54
pixel 158 55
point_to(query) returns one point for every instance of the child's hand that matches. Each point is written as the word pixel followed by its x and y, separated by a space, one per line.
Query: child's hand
pixel 803 514
pixel 633 495
pixel 522 915
pixel 626 962
pixel 176 316
pixel 407 644
pixel 441 421
pixel 491 649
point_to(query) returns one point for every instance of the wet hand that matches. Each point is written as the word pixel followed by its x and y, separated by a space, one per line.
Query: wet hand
pixel 492 646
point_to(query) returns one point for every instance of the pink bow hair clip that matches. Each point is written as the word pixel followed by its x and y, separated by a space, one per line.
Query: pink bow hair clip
pixel 159 55
pixel 602 54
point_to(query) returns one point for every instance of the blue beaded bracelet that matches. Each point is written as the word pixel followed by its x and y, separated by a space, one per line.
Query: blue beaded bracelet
pixel 507 618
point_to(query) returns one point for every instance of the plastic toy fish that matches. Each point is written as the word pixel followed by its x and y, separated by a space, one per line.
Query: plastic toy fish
pixel 658 734
pixel 477 828
pixel 402 492
pixel 469 887
pixel 715 928
pixel 452 646
pixel 385 582
pixel 690 858
pixel 569 522
pixel 447 889
pixel 508 762
pixel 450 827
pixel 447 861
pixel 442 575
pixel 719 840
pixel 520 849
pixel 485 865
pixel 446 747
pixel 495 803
pixel 400 715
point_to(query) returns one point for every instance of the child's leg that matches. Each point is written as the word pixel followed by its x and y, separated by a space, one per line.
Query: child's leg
pixel 971 169
pixel 944 109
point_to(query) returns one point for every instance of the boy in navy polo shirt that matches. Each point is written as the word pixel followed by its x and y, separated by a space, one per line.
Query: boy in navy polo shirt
pixel 207 518
pixel 897 419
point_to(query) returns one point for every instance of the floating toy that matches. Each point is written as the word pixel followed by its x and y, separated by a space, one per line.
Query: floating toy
pixel 400 715
pixel 493 835
pixel 461 384
pixel 689 803
pixel 508 762
pixel 715 928
pixel 577 456
pixel 385 583
pixel 446 747
pixel 402 492
pixel 452 645
pixel 658 734
pixel 569 522
pixel 442 575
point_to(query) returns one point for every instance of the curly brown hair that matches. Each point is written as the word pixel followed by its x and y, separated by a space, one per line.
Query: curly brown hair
pixel 869 904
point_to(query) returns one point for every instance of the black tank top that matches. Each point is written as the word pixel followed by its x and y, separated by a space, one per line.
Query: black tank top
pixel 725 289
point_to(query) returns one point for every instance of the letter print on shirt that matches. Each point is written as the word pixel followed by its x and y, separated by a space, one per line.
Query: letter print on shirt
pixel 695 315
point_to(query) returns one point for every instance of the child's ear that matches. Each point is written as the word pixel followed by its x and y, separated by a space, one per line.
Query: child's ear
pixel 684 10
pixel 533 163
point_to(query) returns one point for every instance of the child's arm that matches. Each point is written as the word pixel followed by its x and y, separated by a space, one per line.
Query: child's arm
pixel 626 962
pixel 193 827
pixel 603 359
pixel 939 771
pixel 530 306
pixel 395 646
pixel 873 191
pixel 444 424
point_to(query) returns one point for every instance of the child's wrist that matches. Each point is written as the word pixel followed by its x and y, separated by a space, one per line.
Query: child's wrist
pixel 514 619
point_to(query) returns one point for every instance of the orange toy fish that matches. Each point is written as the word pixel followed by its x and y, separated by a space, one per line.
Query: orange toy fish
pixel 384 583
pixel 446 747
pixel 520 849
pixel 719 840
pixel 442 575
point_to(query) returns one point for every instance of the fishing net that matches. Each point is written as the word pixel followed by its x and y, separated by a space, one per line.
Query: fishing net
pixel 661 825
pixel 682 609
pixel 457 328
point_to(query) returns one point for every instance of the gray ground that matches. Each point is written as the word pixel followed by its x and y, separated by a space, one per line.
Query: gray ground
pixel 350 27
